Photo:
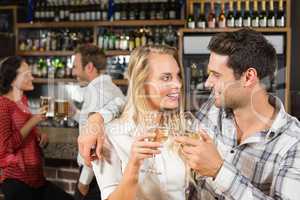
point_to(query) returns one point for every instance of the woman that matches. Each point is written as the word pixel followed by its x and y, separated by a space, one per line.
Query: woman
pixel 155 86
pixel 20 153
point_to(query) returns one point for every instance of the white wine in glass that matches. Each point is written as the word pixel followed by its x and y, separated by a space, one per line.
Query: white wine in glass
pixel 192 134
pixel 161 134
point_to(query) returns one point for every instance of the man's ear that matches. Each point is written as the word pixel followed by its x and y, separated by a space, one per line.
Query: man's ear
pixel 250 77
pixel 89 67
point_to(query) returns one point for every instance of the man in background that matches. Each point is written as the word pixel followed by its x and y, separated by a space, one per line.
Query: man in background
pixel 101 95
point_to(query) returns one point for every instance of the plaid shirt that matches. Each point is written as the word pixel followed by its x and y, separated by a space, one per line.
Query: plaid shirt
pixel 263 167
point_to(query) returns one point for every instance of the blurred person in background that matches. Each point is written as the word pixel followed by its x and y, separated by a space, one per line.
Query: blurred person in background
pixel 20 141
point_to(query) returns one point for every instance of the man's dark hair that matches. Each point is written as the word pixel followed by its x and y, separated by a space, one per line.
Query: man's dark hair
pixel 8 72
pixel 246 48
pixel 92 54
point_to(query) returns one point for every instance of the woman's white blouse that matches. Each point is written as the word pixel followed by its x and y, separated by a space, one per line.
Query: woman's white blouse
pixel 169 185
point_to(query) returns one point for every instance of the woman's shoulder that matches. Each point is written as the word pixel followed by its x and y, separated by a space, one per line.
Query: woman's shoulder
pixel 5 103
pixel 119 127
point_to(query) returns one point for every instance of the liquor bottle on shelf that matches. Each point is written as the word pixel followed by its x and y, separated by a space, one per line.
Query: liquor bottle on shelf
pixel 163 34
pixel 56 14
pixel 111 41
pixel 201 20
pixel 117 11
pixel 142 12
pixel 62 14
pixel 230 15
pixel 131 12
pixel 69 68
pixel 104 11
pixel 150 37
pixel 160 12
pixel 49 40
pixel 238 21
pixel 59 66
pixel 171 38
pixel 43 40
pixel 222 17
pixel 172 9
pixel 190 19
pixel 211 19
pixel 157 38
pixel 137 39
pixel 255 15
pixel 247 14
pixel 66 14
pixel 263 15
pixel 131 41
pixel 43 15
pixel 93 13
pixel 98 12
pixel 72 14
pixel 42 68
pixel 53 44
pixel 123 13
pixel 143 38
pixel 37 11
pixel 152 14
pixel 271 14
pixel 280 18
pixel 100 38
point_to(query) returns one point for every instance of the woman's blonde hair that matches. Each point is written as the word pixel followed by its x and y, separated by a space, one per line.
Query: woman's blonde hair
pixel 138 72
pixel 137 105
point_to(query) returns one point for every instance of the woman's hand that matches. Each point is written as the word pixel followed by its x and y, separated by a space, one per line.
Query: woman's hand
pixel 33 121
pixel 143 148
pixel 43 140
pixel 40 116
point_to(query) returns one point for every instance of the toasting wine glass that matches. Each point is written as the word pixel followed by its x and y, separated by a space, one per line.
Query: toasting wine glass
pixel 191 126
pixel 160 133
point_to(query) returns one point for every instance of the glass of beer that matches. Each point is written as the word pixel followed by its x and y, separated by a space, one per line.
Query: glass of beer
pixel 45 102
pixel 61 109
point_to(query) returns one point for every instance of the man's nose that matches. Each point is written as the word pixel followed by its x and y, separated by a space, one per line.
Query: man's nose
pixel 209 83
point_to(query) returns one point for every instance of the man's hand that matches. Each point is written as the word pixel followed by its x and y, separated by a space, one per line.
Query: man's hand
pixel 90 142
pixel 83 189
pixel 201 155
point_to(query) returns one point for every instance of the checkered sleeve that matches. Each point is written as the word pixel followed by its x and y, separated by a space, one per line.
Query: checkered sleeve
pixel 284 187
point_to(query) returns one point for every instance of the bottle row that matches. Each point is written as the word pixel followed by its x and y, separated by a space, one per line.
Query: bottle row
pixel 130 39
pixel 236 14
pixel 107 39
pixel 51 67
pixel 50 40
pixel 96 11
pixel 62 67
pixel 94 2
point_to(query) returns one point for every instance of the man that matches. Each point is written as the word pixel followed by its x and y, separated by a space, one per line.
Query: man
pixel 100 95
pixel 251 147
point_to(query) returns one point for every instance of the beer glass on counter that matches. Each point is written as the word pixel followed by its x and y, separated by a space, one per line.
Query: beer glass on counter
pixel 45 102
pixel 61 109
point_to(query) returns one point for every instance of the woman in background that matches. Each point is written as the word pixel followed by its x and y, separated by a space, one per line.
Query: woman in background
pixel 20 152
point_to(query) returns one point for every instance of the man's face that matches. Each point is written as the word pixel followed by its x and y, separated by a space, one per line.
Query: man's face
pixel 228 91
pixel 79 70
